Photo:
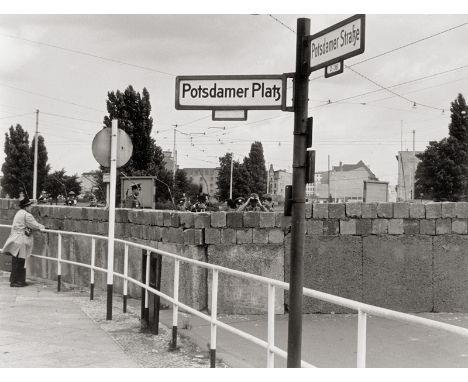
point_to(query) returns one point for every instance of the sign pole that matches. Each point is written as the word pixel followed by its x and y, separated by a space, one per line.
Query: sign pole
pixel 36 159
pixel 110 241
pixel 296 278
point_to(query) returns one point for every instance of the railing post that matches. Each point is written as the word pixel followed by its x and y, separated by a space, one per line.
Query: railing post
pixel 125 281
pixel 147 279
pixel 214 313
pixel 59 263
pixel 271 326
pixel 175 307
pixel 361 340
pixel 93 261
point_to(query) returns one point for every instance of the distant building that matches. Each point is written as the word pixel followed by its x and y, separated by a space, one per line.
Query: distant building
pixel 206 177
pixel 407 165
pixel 344 183
pixel 87 181
pixel 277 181
pixel 169 161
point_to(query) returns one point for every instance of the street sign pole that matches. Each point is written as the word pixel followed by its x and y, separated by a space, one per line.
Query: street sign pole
pixel 110 241
pixel 301 93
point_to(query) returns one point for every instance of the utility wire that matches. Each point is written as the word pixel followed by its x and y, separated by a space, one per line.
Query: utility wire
pixel 49 97
pixel 116 61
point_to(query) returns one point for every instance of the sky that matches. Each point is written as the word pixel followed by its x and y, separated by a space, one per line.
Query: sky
pixel 64 65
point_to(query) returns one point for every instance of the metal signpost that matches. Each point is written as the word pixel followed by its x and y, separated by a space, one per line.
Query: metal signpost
pixel 327 49
pixel 111 148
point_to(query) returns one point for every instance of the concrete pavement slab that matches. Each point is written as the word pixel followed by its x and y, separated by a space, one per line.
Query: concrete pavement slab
pixel 41 328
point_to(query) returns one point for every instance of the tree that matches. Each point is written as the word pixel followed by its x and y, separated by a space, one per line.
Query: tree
pixel 255 165
pixel 43 167
pixel 17 168
pixel 240 179
pixel 182 184
pixel 442 174
pixel 133 112
pixel 58 183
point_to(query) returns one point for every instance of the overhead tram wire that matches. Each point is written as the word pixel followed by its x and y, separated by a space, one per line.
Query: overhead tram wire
pixel 52 98
pixel 75 51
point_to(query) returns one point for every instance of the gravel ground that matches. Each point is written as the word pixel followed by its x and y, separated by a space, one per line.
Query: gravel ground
pixel 146 349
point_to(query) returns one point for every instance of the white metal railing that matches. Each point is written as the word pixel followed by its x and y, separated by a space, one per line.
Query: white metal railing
pixel 269 345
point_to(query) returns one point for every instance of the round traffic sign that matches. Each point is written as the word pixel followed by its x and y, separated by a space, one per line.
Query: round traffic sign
pixel 102 147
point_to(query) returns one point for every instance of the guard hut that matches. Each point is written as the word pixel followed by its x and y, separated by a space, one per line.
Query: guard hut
pixel 147 195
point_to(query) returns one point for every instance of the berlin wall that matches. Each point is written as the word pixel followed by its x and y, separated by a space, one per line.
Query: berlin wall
pixel 402 256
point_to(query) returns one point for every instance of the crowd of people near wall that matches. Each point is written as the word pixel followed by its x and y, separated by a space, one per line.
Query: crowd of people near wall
pixel 251 203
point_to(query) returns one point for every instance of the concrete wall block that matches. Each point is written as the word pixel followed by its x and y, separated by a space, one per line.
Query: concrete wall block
pixel 244 236
pixel 336 211
pixel 450 276
pixel 278 218
pixel 154 233
pixel 165 235
pixel 354 210
pixel 189 236
pixel 75 213
pixel 363 227
pixel 202 220
pixel 331 227
pixel 5 205
pixel 186 219
pixel 461 210
pixel 459 226
pixel 234 219
pixel 401 210
pixel 228 236
pixel 267 220
pixel 176 235
pixel 252 219
pixel 260 236
pixel 323 256
pixel 320 211
pixel 369 210
pixel 314 227
pixel 218 219
pixel 348 227
pixel 175 219
pixel 397 272
pixel 427 227
pixel 417 211
pixel 121 215
pixel 379 226
pixel 385 210
pixel 308 210
pixel 147 217
pixel 275 236
pixel 242 296
pixel 199 236
pixel 103 228
pixel 449 210
pixel 433 210
pixel 286 222
pixel 411 226
pixel 212 236
pixel 136 231
pixel 167 219
pixel 443 226
pixel 158 218
pixel 395 226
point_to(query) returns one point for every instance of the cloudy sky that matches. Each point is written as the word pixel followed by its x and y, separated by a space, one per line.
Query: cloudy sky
pixel 64 65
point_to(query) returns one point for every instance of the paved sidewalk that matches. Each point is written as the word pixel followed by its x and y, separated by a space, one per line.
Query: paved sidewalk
pixel 41 328
pixel 331 340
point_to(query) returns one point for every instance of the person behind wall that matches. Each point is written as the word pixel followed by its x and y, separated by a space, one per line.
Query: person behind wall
pixel 253 203
pixel 20 242
pixel 132 200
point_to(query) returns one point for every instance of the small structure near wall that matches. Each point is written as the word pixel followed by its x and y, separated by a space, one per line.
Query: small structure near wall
pixel 147 190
